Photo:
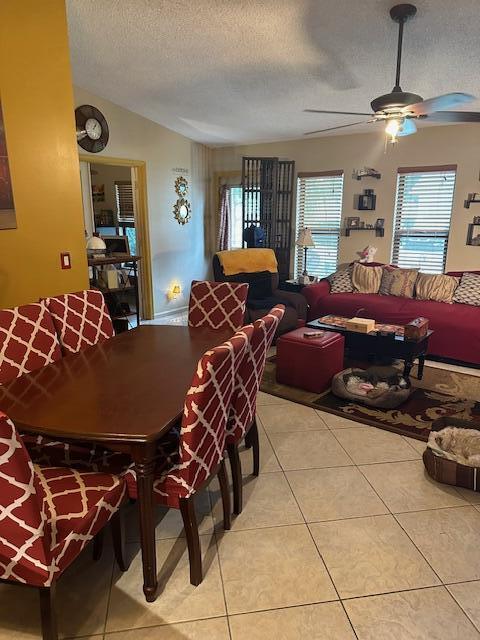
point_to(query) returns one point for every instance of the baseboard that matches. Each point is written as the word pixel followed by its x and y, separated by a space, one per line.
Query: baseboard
pixel 171 312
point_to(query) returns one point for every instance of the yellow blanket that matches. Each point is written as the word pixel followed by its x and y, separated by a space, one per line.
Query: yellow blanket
pixel 247 261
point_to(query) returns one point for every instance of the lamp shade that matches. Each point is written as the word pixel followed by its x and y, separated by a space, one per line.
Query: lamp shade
pixel 305 238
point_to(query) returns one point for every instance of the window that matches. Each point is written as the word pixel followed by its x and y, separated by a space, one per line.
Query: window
pixel 124 200
pixel 319 207
pixel 236 217
pixel 423 210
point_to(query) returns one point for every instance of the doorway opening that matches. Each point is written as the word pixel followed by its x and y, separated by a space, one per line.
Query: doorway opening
pixel 115 208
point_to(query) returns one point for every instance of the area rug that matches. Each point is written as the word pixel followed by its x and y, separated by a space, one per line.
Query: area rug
pixel 440 393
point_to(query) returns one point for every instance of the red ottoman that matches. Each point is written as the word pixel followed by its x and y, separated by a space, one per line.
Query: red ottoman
pixel 309 363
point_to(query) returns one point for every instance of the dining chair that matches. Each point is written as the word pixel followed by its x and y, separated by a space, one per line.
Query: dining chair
pixel 242 422
pixel 47 517
pixel 218 305
pixel 28 340
pixel 201 443
pixel 81 319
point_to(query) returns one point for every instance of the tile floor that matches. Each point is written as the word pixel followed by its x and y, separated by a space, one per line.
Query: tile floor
pixel 342 536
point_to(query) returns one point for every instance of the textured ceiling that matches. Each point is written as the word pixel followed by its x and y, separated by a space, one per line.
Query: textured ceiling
pixel 235 71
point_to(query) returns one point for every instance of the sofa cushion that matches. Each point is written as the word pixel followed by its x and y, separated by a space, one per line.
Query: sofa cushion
pixel 398 282
pixel 435 287
pixel 341 281
pixel 468 291
pixel 366 279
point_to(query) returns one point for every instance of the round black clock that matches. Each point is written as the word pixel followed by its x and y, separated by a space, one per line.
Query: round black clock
pixel 92 128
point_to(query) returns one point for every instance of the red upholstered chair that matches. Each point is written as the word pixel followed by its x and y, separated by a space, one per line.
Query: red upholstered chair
pixel 47 516
pixel 81 319
pixel 28 340
pixel 202 442
pixel 218 305
pixel 242 422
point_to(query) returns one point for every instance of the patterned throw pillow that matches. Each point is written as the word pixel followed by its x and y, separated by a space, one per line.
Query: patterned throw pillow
pixel 468 291
pixel 366 279
pixel 398 282
pixel 341 281
pixel 436 287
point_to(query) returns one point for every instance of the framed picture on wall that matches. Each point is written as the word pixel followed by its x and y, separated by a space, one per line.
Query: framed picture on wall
pixel 380 223
pixel 7 208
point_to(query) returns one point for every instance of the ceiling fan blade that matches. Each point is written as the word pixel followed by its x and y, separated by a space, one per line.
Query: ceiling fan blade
pixel 342 126
pixel 447 101
pixel 346 113
pixel 454 116
pixel 408 128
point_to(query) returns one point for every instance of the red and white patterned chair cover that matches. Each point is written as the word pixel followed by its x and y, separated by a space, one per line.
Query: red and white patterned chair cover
pixel 218 305
pixel 81 319
pixel 28 340
pixel 203 427
pixel 242 421
pixel 47 515
pixel 249 376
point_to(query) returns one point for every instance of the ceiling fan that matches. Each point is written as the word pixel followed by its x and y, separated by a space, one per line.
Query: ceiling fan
pixel 399 109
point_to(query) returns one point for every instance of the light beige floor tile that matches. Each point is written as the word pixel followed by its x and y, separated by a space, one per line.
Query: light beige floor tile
pixel 426 614
pixel 213 629
pixel 272 568
pixel 266 398
pixel 82 601
pixel 366 445
pixel 326 621
pixel 471 496
pixel 332 494
pixel 418 445
pixel 406 486
pixel 169 521
pixel 449 539
pixel 289 418
pixel 268 460
pixel 178 600
pixel 308 450
pixel 338 422
pixel 371 555
pixel 467 594
pixel 267 502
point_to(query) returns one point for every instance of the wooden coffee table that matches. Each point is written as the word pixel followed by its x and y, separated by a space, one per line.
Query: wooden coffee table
pixel 382 346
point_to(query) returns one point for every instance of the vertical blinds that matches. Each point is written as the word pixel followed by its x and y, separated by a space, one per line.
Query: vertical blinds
pixel 423 210
pixel 124 200
pixel 319 207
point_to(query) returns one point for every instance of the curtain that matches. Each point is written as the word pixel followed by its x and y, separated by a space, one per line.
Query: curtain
pixel 223 241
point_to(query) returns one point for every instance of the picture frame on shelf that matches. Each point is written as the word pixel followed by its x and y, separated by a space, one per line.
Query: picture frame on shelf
pixel 352 222
pixel 380 223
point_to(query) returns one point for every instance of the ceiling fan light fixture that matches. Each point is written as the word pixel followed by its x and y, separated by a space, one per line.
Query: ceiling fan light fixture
pixel 393 127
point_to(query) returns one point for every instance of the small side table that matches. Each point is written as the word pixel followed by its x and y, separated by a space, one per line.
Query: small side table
pixel 293 285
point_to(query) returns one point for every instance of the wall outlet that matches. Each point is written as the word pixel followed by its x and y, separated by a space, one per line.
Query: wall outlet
pixel 65 260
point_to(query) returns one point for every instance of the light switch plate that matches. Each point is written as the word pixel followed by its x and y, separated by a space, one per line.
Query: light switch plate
pixel 65 260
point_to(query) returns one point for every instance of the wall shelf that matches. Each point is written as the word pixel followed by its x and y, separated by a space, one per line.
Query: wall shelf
pixel 379 231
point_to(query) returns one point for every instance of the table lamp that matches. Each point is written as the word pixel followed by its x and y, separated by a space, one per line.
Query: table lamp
pixel 305 240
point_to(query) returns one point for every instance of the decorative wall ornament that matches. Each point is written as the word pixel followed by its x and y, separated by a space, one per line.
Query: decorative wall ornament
pixel 181 186
pixel 7 209
pixel 182 211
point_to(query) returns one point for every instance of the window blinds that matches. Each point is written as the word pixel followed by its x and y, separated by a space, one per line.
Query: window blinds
pixel 319 207
pixel 124 200
pixel 423 210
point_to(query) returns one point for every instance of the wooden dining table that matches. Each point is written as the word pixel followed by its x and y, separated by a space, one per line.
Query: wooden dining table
pixel 125 393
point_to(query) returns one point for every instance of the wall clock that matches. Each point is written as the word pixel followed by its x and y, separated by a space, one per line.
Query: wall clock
pixel 92 128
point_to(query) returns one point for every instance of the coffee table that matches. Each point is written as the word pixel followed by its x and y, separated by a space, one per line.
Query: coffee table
pixel 382 346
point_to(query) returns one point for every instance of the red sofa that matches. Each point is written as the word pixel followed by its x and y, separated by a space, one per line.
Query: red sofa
pixel 456 326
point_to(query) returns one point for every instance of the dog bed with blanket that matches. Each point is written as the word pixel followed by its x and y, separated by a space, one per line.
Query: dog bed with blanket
pixel 383 387
pixel 452 455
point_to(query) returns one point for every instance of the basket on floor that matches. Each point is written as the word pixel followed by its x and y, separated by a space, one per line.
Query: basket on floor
pixel 449 471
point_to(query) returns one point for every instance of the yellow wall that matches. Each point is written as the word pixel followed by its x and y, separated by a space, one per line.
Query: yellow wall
pixel 37 102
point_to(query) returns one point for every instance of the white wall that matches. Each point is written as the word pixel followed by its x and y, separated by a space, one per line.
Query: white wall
pixel 458 144
pixel 178 252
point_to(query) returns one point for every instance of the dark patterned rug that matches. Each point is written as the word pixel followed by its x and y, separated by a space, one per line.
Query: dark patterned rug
pixel 440 393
